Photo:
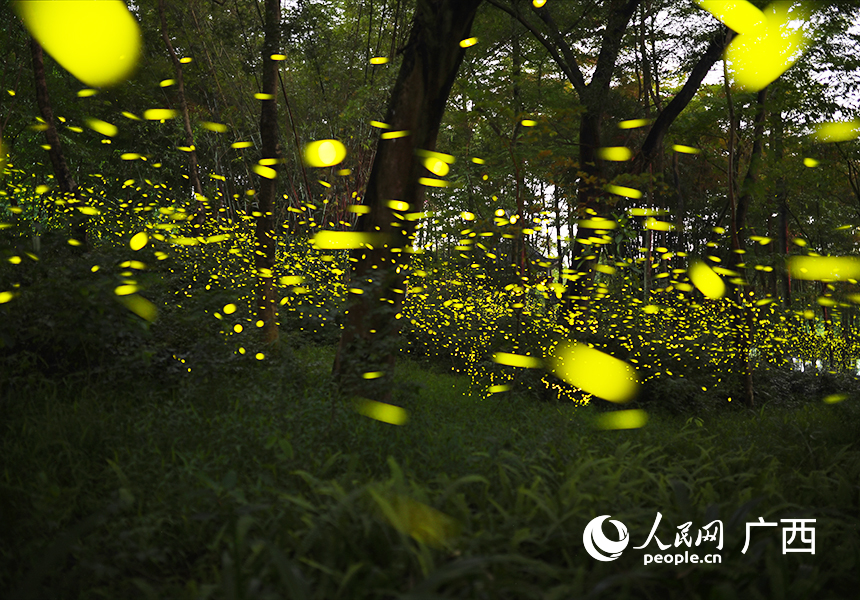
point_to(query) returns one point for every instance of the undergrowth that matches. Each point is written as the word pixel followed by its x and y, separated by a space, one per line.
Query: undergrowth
pixel 157 460
pixel 263 483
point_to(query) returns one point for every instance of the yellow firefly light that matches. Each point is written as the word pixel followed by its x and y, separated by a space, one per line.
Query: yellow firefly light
pixel 765 46
pixel 615 153
pixel 97 42
pixel 708 282
pixel 324 153
pixel 596 373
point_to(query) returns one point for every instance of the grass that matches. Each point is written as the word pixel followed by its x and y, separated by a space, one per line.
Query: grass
pixel 247 485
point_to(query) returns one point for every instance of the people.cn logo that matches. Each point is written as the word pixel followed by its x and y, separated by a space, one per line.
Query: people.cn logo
pixel 598 545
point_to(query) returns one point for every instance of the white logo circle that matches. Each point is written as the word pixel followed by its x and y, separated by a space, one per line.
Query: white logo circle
pixel 596 544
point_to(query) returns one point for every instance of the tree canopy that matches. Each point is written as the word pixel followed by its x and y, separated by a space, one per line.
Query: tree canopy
pixel 456 179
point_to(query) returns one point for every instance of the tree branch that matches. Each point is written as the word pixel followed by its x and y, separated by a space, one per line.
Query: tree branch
pixel 556 48
pixel 654 141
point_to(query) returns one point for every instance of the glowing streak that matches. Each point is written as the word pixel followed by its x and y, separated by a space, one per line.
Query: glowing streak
pixel 102 127
pixel 615 153
pixel 429 181
pixel 97 42
pixel 516 360
pixel 216 127
pixel 324 153
pixel 655 225
pixel 138 241
pixel 386 413
pixel 343 240
pixel 836 132
pixel 596 372
pixel 397 205
pixel 706 281
pixel 824 268
pixel 125 290
pixel 685 149
pixel 624 191
pixel 623 419
pixel 140 306
pixel 159 114
pixel 633 123
pixel 766 45
pixel 267 172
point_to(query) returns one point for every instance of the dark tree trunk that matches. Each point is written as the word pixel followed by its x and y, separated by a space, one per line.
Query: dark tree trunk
pixel 521 266
pixel 754 168
pixel 590 190
pixel 782 211
pixel 55 152
pixel 62 173
pixel 558 244
pixel 589 200
pixel 431 59
pixel 200 212
pixel 744 318
pixel 264 257
pixel 593 97
pixel 680 206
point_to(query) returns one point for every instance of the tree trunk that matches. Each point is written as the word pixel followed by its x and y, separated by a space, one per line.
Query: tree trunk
pixel 200 212
pixel 680 206
pixel 264 257
pixel 782 211
pixel 754 168
pixel 62 173
pixel 521 265
pixel 558 243
pixel 431 59
pixel 647 273
pixel 593 97
pixel 744 312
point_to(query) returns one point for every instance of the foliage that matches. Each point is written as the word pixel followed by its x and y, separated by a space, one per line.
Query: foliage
pixel 294 501
pixel 164 451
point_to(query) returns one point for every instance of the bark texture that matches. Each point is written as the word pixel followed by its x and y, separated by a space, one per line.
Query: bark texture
pixel 62 174
pixel 186 120
pixel 264 255
pixel 431 60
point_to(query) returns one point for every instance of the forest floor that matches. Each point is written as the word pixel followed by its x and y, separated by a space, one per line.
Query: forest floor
pixel 259 481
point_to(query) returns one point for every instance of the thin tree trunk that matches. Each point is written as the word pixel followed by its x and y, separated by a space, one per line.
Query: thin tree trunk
pixel 744 317
pixel 200 212
pixel 647 273
pixel 394 32
pixel 559 249
pixel 295 138
pixel 264 257
pixel 680 207
pixel 754 168
pixel 519 241
pixel 646 65
pixel 782 211
pixel 369 31
pixel 62 173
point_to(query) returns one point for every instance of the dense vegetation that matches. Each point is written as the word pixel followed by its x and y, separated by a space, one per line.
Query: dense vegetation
pixel 326 300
